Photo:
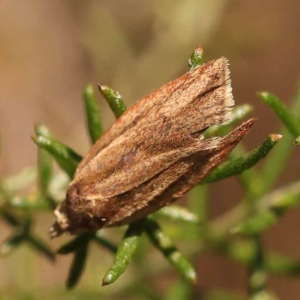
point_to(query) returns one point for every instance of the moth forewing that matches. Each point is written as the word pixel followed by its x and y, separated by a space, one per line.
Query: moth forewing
pixel 169 101
pixel 153 153
pixel 176 180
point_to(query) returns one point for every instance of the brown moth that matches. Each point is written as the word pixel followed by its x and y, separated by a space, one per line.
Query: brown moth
pixel 154 153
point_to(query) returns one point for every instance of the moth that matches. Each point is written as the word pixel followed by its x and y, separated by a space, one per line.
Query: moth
pixel 154 153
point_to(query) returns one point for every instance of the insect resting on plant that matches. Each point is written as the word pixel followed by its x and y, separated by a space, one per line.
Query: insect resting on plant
pixel 154 153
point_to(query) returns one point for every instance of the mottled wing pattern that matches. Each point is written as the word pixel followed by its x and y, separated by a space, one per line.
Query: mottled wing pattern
pixel 154 138
pixel 163 189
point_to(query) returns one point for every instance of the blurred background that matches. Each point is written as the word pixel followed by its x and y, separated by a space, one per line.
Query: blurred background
pixel 50 50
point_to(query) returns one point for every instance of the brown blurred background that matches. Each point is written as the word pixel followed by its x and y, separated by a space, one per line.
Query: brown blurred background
pixel 51 49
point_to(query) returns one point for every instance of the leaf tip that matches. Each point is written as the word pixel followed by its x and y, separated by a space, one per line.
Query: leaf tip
pixel 102 88
pixel 297 141
pixel 42 130
pixel 276 137
pixel 70 285
pixel 263 94
pixel 193 277
pixel 106 281
pixel 89 90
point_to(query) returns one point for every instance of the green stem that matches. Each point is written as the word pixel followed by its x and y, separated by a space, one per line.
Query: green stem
pixel 75 243
pixel 171 253
pixel 257 270
pixel 94 120
pixel 11 244
pixel 278 201
pixel 39 246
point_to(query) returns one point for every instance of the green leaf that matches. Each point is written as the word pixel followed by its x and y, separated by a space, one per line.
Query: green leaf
pixel 39 246
pixel 78 265
pixel 30 203
pixel 276 161
pixel 75 243
pixel 114 100
pixel 177 213
pixel 245 252
pixel 257 223
pixel 126 250
pixel 247 161
pixel 269 209
pixel 12 243
pixel 10 218
pixel 279 264
pixel 198 203
pixel 44 165
pixel 66 158
pixel 171 253
pixel 258 273
pixel 289 120
pixel 297 141
pixel 94 120
pixel 278 201
pixel 196 59
pixel 179 291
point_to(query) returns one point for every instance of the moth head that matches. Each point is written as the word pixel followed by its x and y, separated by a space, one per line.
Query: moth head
pixel 62 223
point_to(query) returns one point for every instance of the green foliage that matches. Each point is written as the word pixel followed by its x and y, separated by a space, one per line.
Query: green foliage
pixel 260 209
pixel 196 59
pixel 93 116
pixel 114 100
pixel 125 252
pixel 169 250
